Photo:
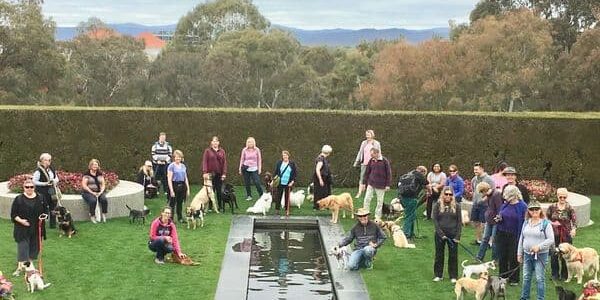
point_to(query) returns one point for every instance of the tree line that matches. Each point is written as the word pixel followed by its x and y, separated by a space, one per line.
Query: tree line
pixel 513 55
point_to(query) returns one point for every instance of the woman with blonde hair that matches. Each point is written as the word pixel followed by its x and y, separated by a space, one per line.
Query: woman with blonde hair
pixel 364 156
pixel 146 178
pixel 94 191
pixel 447 221
pixel 564 223
pixel 179 185
pixel 251 167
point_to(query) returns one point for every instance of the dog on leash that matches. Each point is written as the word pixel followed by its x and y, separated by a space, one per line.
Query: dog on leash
pixel 399 238
pixel 268 181
pixel 191 216
pixel 205 195
pixel 477 269
pixel 386 226
pixel 186 260
pixel 591 290
pixel 33 278
pixel 579 261
pixel 470 285
pixel 341 254
pixel 65 221
pixel 136 214
pixel 228 195
pixel 392 210
pixel 564 294
pixel 262 205
pixel 296 198
pixel 335 203
pixel 496 287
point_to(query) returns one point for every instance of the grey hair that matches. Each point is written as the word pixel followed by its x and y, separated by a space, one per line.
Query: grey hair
pixel 511 192
pixel 45 156
pixel 326 149
pixel 483 187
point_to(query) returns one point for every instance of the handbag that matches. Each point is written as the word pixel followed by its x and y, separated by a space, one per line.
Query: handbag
pixel 277 179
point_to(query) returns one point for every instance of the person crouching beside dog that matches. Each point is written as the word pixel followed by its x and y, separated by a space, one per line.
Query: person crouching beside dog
pixel 179 185
pixel 534 245
pixel 368 237
pixel 286 171
pixel 93 187
pixel 447 221
pixel 25 212
pixel 564 224
pixel 163 237
pixel 146 178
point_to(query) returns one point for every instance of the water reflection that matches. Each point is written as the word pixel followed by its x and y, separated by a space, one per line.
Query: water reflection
pixel 288 265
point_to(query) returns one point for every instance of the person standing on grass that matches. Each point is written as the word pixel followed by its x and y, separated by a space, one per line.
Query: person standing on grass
pixel 45 180
pixel 511 175
pixel 447 221
pixel 535 241
pixel 251 167
pixel 410 186
pixel 498 176
pixel 179 185
pixel 368 237
pixel 364 156
pixel 378 177
pixel 479 206
pixel 494 200
pixel 161 158
pixel 214 167
pixel 456 182
pixel 93 192
pixel 436 180
pixel 286 171
pixel 25 212
pixel 322 176
pixel 564 224
pixel 163 237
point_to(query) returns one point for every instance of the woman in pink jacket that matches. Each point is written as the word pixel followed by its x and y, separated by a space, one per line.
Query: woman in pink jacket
pixel 163 237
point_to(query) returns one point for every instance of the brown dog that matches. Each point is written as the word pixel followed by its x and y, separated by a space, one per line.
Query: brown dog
pixel 186 260
pixel 470 285
pixel 336 202
pixel 386 226
pixel 579 261
pixel 206 194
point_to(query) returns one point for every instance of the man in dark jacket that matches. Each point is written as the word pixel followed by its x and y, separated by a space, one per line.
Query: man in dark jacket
pixel 368 237
pixel 409 199
pixel 511 176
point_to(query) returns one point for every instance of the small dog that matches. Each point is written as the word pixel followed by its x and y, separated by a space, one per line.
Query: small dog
pixel 496 287
pixel 192 215
pixel 135 214
pixel 400 240
pixel 296 198
pixel 33 278
pixel 341 254
pixel 580 261
pixel 262 205
pixel 228 195
pixel 470 285
pixel 591 290
pixel 65 221
pixel 6 288
pixel 564 294
pixel 268 181
pixel 336 202
pixel 206 194
pixel 477 269
pixel 186 260
pixel 392 210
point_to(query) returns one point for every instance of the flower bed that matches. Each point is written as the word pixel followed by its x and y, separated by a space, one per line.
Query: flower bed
pixel 69 183
pixel 539 190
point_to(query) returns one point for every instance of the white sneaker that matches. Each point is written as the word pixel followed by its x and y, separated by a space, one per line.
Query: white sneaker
pixel 248 198
pixel 93 219
pixel 453 280
pixel 437 279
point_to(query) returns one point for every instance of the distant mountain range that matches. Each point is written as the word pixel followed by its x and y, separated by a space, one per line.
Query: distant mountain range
pixel 326 37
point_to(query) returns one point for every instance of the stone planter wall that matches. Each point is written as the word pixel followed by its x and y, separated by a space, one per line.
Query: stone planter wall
pixel 125 193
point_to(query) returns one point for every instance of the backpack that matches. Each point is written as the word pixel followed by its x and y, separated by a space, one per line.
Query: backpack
pixel 407 185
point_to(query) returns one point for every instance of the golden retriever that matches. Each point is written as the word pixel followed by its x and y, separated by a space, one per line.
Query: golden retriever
pixel 400 240
pixel 386 226
pixel 206 194
pixel 470 285
pixel 579 261
pixel 336 202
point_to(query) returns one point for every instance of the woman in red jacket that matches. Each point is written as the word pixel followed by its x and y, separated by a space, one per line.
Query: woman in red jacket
pixel 163 237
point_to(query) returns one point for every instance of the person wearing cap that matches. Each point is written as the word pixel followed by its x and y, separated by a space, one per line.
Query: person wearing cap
pixel 510 173
pixel 564 224
pixel 322 176
pixel 534 247
pixel 367 237
pixel 146 178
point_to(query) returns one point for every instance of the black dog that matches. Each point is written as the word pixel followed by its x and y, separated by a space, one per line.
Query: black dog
pixel 564 294
pixel 65 221
pixel 228 195
pixel 135 214
pixel 268 181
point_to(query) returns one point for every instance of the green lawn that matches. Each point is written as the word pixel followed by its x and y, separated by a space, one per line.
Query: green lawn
pixel 112 261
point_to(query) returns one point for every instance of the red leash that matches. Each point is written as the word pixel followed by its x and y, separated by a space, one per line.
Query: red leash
pixel 41 219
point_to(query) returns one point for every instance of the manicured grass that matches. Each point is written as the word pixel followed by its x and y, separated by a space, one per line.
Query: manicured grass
pixel 112 261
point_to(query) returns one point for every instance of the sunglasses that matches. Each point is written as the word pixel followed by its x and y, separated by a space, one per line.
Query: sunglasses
pixel 562 197
pixel 452 171
pixel 28 186
pixel 448 194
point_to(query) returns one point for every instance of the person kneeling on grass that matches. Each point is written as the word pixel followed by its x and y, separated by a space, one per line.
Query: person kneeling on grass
pixel 163 237
pixel 368 238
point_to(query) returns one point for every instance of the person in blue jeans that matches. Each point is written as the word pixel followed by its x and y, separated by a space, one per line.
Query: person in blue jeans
pixel 368 238
pixel 163 237
pixel 535 241
pixel 494 201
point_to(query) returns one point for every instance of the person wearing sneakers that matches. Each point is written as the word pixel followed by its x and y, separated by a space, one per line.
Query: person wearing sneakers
pixel 163 237
pixel 447 221
pixel 368 238
pixel 93 192
pixel 251 167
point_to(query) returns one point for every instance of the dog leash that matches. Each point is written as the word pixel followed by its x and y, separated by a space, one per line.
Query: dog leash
pixel 452 244
pixel 41 220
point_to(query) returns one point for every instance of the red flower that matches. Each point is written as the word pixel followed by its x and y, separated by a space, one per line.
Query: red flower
pixel 69 183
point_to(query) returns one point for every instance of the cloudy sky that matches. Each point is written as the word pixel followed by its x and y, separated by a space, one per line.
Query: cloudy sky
pixel 305 14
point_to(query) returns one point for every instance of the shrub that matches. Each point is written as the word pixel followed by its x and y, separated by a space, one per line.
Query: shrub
pixel 539 190
pixel 69 183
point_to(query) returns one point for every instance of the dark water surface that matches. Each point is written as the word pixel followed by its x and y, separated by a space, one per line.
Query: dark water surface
pixel 288 264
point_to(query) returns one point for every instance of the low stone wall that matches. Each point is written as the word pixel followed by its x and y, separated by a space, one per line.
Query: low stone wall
pixel 580 203
pixel 125 193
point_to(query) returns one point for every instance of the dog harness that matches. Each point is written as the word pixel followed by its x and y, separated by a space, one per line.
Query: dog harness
pixel 589 291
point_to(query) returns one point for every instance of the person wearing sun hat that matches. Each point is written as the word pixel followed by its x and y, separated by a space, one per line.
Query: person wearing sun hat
pixel 368 237
pixel 510 173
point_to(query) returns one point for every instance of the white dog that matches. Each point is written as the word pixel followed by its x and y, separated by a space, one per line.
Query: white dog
pixel 296 199
pixel 477 269
pixel 33 278
pixel 396 206
pixel 400 240
pixel 310 195
pixel 262 205
pixel 341 254
pixel 465 217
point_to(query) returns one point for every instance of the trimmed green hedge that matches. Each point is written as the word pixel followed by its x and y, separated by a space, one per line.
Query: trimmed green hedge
pixel 122 137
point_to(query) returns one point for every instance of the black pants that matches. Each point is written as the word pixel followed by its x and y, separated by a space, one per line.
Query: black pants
pixel 280 190
pixel 320 191
pixel 438 265
pixel 506 245
pixel 430 200
pixel 176 203
pixel 51 206
pixel 217 183
pixel 160 174
pixel 557 262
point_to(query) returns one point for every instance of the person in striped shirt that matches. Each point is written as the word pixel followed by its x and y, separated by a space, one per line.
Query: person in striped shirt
pixel 161 158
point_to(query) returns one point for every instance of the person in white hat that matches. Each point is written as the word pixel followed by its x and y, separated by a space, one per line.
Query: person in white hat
pixel 368 238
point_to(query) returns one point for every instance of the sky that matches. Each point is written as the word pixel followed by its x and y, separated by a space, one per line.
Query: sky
pixel 304 14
